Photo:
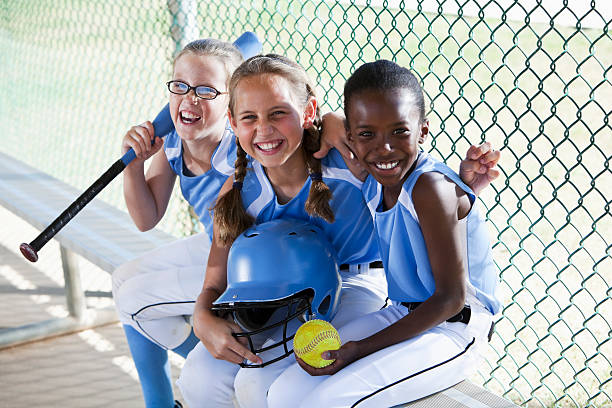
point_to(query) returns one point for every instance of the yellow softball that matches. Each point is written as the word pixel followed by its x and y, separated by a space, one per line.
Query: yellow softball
pixel 313 338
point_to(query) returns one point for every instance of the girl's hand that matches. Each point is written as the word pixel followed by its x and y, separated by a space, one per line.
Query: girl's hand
pixel 478 169
pixel 216 334
pixel 344 356
pixel 333 135
pixel 139 138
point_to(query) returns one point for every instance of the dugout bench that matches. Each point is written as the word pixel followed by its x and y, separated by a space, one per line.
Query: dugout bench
pixel 101 233
pixel 107 237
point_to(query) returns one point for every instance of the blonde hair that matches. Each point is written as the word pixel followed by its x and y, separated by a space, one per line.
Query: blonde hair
pixel 227 53
pixel 229 213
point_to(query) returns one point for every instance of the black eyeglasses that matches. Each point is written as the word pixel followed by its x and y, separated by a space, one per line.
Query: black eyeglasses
pixel 201 91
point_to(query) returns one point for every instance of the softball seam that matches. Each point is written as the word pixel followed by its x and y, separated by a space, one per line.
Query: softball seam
pixel 324 335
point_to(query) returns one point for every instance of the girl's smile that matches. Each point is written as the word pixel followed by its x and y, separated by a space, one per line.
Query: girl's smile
pixel 269 148
pixel 188 117
pixel 383 166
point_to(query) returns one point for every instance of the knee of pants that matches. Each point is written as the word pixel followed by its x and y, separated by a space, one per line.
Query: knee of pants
pixel 206 381
pixel 191 383
pixel 291 387
pixel 139 290
pixel 251 387
pixel 126 296
pixel 281 396
pixel 122 274
pixel 122 296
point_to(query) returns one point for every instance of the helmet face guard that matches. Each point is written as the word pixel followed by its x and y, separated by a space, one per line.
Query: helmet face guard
pixel 255 319
pixel 279 274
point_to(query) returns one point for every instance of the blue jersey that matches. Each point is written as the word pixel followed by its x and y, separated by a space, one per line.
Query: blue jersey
pixel 403 250
pixel 201 191
pixel 351 234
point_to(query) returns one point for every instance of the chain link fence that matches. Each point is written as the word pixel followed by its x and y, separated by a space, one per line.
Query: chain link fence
pixel 532 77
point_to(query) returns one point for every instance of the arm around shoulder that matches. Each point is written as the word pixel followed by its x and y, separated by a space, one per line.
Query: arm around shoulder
pixel 478 169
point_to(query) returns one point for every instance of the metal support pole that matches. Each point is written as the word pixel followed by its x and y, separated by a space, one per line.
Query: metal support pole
pixel 75 297
pixel 184 27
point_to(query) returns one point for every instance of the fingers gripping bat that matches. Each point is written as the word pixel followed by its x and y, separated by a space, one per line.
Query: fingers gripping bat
pixel 248 44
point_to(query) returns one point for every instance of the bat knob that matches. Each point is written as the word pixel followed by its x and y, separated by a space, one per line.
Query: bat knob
pixel 28 252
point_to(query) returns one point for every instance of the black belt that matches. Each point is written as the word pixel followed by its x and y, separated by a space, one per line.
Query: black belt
pixel 463 316
pixel 375 264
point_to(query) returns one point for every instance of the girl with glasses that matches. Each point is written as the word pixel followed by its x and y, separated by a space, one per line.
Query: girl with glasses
pixel 155 293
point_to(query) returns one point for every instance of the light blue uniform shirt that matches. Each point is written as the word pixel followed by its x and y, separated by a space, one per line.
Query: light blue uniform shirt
pixel 403 250
pixel 352 234
pixel 201 191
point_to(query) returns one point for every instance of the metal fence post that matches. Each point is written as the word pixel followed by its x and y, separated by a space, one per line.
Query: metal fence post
pixel 184 27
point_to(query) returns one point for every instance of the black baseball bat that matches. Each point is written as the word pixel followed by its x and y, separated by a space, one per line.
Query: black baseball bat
pixel 247 43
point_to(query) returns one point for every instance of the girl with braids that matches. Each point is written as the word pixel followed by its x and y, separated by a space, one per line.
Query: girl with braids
pixel 274 114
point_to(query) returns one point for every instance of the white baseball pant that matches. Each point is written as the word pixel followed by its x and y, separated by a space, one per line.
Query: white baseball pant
pixel 156 292
pixel 415 368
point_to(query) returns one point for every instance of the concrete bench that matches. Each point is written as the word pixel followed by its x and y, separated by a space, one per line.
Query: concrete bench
pixel 101 233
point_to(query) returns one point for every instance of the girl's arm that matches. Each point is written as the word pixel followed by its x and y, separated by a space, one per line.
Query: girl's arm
pixel 216 332
pixel 477 170
pixel 147 196
pixel 333 134
pixel 439 204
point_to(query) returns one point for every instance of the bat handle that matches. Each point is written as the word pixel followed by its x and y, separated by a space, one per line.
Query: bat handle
pixel 162 125
pixel 130 155
pixel 30 251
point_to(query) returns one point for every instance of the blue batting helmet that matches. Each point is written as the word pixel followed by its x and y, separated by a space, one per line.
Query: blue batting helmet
pixel 279 271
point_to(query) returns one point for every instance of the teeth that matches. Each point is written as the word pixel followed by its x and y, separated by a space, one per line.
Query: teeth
pixel 189 117
pixel 268 146
pixel 387 165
